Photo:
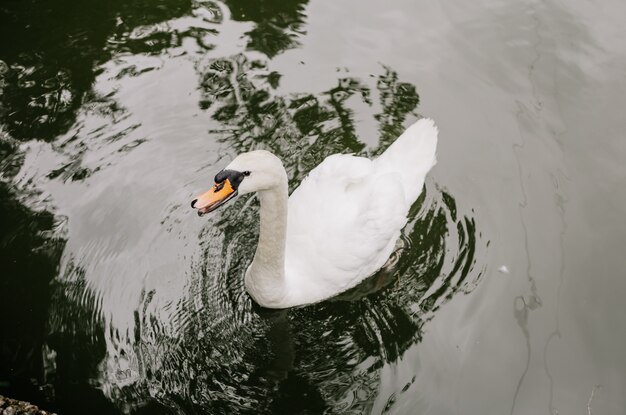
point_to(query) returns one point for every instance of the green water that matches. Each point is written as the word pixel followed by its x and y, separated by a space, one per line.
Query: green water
pixel 505 293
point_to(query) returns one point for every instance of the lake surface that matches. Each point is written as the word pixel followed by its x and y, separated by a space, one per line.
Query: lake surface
pixel 505 294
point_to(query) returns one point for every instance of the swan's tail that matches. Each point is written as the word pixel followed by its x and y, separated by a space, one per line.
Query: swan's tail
pixel 412 155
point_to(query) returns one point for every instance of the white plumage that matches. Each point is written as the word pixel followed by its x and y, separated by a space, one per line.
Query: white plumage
pixel 340 225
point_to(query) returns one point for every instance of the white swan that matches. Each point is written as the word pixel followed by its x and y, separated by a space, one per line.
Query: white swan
pixel 337 228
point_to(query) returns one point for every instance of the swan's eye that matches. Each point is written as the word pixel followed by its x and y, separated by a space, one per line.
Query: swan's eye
pixel 246 173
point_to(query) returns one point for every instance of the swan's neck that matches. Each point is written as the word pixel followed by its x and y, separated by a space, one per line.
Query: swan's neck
pixel 265 278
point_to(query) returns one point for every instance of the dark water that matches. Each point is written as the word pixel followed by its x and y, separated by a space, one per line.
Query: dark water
pixel 505 295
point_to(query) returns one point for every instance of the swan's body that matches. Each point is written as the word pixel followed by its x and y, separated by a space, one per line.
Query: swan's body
pixel 338 227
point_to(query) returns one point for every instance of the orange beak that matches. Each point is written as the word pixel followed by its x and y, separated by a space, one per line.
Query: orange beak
pixel 214 198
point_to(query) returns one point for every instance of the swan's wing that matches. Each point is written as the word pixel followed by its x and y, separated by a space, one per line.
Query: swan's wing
pixel 412 155
pixel 343 222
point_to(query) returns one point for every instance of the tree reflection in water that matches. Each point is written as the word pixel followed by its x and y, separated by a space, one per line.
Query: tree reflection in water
pixel 278 23
pixel 225 355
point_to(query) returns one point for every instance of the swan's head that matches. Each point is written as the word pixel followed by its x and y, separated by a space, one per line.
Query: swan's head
pixel 249 172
